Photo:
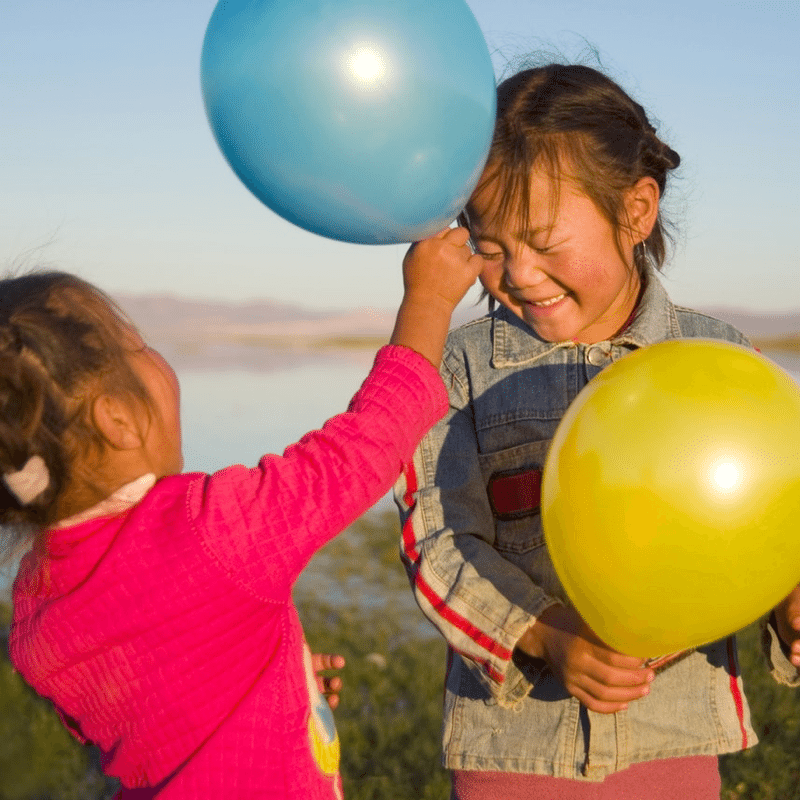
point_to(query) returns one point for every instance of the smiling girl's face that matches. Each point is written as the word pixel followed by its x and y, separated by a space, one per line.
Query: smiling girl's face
pixel 564 274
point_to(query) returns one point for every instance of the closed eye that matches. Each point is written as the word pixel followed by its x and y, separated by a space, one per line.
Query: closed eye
pixel 493 256
pixel 489 254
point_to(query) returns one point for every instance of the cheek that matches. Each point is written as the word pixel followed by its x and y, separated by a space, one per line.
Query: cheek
pixel 593 275
pixel 491 277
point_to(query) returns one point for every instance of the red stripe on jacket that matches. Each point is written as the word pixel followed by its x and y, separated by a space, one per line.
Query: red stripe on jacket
pixel 438 603
pixel 738 700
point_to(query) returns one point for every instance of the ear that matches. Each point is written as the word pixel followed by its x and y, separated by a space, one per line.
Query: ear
pixel 641 205
pixel 117 422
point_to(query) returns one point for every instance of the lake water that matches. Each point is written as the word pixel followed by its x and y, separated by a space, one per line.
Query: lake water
pixel 237 415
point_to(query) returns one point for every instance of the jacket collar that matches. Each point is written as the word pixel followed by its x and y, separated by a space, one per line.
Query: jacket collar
pixel 514 343
pixel 124 498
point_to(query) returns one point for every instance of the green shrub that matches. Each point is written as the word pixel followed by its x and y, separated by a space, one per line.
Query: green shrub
pixel 390 711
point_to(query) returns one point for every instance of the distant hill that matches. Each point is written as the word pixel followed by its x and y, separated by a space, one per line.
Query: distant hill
pixel 265 334
pixel 759 326
pixel 167 316
pixel 172 313
pixel 165 313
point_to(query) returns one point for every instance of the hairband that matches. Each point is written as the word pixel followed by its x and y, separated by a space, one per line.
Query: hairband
pixel 29 482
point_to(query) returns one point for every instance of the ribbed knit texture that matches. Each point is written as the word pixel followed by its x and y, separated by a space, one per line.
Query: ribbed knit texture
pixel 167 635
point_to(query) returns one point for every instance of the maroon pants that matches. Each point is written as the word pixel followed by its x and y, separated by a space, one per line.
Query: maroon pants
pixel 693 778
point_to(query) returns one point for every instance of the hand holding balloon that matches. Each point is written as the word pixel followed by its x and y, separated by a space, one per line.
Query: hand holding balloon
pixel 601 678
pixel 787 620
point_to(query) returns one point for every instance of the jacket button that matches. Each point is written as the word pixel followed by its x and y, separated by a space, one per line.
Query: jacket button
pixel 596 356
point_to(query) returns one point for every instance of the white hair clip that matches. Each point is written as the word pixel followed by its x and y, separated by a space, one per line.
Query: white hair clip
pixel 27 484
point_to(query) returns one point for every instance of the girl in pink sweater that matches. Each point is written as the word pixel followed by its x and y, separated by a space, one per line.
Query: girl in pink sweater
pixel 154 609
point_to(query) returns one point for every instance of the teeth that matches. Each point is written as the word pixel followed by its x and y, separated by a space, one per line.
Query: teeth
pixel 545 303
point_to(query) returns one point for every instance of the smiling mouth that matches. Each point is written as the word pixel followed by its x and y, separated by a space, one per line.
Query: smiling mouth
pixel 549 302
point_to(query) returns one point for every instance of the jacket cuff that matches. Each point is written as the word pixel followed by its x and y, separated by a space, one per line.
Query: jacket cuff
pixel 776 653
pixel 523 671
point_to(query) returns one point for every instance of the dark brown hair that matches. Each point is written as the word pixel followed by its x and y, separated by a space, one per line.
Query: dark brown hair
pixel 61 341
pixel 574 122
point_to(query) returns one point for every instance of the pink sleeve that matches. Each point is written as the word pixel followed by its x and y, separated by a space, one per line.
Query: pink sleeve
pixel 264 524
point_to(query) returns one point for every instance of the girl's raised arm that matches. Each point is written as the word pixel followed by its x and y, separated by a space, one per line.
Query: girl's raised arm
pixel 278 515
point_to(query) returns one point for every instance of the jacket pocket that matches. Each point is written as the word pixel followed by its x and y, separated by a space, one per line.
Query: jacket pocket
pixel 512 478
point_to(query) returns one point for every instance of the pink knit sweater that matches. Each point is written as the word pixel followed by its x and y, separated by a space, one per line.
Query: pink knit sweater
pixel 165 633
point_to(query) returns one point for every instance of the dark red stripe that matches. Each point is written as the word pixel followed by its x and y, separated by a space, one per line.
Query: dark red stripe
pixel 438 603
pixel 409 540
pixel 463 624
pixel 738 700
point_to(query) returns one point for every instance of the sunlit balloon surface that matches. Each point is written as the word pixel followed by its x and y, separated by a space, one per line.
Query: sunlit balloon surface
pixel 671 495
pixel 366 121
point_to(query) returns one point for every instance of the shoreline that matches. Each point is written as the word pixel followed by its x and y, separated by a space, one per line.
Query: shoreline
pixel 786 344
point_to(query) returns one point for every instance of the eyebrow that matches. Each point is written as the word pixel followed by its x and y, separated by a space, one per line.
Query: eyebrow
pixel 520 236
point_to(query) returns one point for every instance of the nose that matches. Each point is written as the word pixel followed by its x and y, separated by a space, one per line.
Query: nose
pixel 523 270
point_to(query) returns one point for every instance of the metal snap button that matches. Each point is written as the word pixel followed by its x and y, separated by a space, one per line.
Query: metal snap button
pixel 596 356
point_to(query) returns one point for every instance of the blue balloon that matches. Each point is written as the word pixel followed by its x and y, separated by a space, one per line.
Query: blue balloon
pixel 366 121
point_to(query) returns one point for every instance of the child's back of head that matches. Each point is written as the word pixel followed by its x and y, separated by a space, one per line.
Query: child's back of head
pixel 61 341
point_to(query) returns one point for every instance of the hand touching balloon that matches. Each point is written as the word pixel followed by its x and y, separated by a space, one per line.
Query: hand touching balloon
pixel 437 273
pixel 603 679
pixel 442 266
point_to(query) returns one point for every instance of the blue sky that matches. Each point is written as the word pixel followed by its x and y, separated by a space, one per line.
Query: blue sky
pixel 109 168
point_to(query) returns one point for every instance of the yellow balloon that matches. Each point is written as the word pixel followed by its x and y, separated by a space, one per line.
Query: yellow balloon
pixel 671 495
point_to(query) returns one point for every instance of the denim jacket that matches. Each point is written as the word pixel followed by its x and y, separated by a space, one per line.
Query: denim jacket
pixel 482 574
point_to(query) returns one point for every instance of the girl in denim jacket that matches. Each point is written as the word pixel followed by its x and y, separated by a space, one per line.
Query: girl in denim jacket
pixel 566 218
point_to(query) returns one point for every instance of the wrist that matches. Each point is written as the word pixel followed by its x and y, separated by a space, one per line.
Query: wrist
pixel 422 324
pixel 530 643
pixel 428 303
pixel 534 641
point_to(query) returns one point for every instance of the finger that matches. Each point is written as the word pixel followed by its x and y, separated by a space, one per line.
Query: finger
pixel 457 236
pixel 322 661
pixel 438 235
pixel 792 614
pixel 597 705
pixel 791 605
pixel 619 662
pixel 608 654
pixel 612 676
pixel 613 694
pixel 331 685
